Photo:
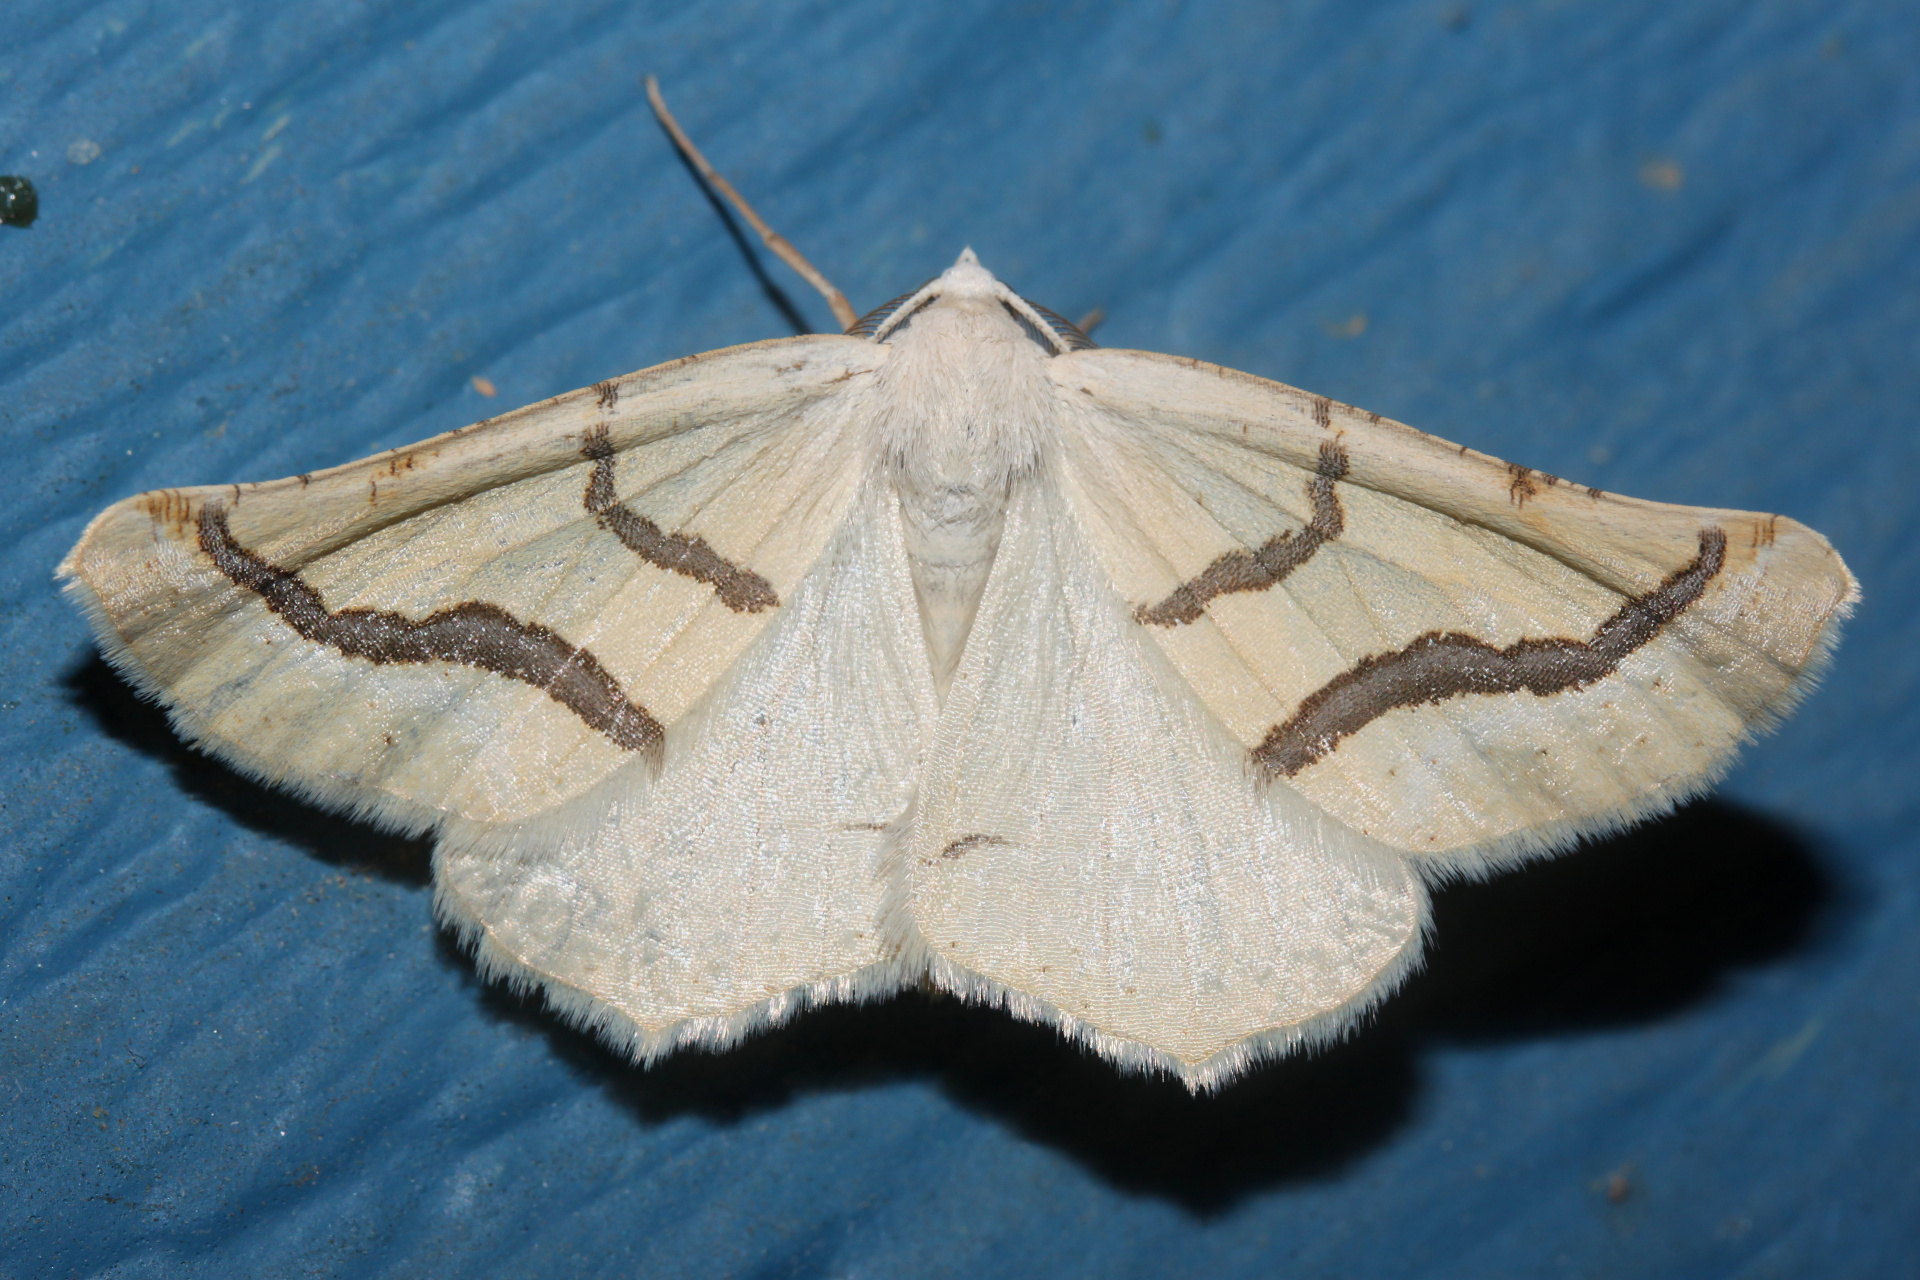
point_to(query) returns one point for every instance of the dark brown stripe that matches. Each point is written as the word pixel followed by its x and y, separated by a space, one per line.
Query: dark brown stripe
pixel 1277 557
pixel 741 590
pixel 472 634
pixel 1445 664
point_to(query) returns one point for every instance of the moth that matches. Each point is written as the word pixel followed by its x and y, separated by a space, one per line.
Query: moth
pixel 1135 695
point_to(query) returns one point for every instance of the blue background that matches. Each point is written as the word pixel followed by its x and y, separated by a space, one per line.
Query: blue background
pixel 1668 249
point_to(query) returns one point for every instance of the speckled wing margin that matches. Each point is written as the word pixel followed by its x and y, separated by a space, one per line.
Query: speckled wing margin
pixel 1460 657
pixel 568 578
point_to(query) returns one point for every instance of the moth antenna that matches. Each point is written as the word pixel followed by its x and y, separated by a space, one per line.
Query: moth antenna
pixel 842 309
pixel 1089 322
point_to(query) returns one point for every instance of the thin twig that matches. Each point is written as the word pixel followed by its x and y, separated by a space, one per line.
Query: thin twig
pixel 842 309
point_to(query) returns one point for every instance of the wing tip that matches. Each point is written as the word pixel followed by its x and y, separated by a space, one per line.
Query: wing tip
pixel 1480 860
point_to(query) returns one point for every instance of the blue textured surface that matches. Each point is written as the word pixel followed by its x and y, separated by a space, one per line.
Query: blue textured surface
pixel 1670 250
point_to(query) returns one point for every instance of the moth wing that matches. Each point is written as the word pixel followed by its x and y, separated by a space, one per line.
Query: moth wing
pixel 745 881
pixel 488 623
pixel 1457 656
pixel 1091 850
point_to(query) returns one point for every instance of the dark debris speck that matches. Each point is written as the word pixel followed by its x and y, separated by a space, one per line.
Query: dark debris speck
pixel 19 202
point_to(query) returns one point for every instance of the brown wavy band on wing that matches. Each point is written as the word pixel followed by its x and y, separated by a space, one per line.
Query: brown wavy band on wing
pixel 741 590
pixel 472 634
pixel 1446 664
pixel 1277 557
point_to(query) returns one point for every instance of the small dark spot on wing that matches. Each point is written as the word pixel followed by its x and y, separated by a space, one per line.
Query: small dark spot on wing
pixel 1520 485
pixel 958 847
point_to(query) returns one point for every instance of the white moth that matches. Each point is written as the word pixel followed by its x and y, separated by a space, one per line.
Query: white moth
pixel 1138 696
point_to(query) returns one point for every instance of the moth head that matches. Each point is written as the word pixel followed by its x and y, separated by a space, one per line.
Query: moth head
pixel 967 283
pixel 966 278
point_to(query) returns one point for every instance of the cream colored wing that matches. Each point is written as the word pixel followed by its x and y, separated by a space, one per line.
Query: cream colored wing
pixel 487 624
pixel 1459 657
pixel 744 881
pixel 1091 850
